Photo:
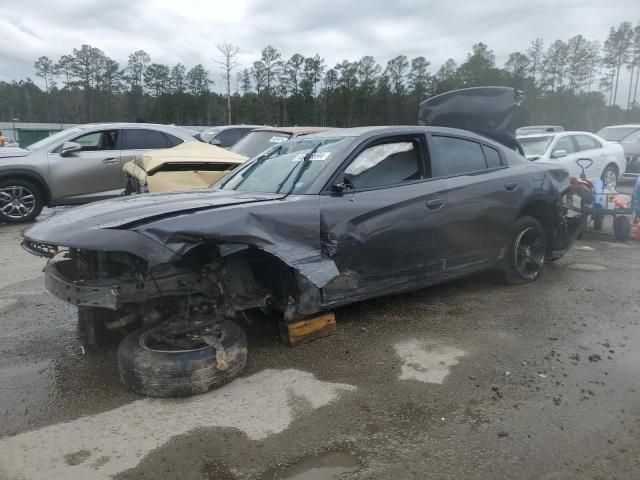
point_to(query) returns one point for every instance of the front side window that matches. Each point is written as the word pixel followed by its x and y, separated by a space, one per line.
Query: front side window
pixel 564 143
pixel 384 165
pixel 98 141
pixel 586 142
pixel 143 139
pixel 455 156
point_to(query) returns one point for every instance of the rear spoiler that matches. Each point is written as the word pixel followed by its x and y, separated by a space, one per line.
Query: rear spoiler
pixel 487 111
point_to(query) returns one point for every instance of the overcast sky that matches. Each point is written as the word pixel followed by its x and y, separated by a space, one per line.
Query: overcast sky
pixel 187 31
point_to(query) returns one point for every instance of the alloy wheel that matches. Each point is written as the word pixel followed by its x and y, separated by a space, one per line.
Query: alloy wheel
pixel 529 252
pixel 17 202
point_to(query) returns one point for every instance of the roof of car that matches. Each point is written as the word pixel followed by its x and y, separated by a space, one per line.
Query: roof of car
pixel 294 130
pixel 553 134
pixel 402 130
pixel 225 127
pixel 628 125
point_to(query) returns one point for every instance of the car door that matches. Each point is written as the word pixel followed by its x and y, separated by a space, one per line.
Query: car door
pixel 92 173
pixel 383 228
pixel 589 147
pixel 565 143
pixel 138 140
pixel 480 193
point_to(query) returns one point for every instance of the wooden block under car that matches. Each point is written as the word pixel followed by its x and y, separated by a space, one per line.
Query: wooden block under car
pixel 304 331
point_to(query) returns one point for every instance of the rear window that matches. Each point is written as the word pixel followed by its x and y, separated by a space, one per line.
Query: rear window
pixel 257 142
pixel 455 156
pixel 616 134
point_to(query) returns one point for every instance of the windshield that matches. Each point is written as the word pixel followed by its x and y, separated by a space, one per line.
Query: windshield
pixel 54 139
pixel 257 142
pixel 616 134
pixel 277 169
pixel 207 135
pixel 535 146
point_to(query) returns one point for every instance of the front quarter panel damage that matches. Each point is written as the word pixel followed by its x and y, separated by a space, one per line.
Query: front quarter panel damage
pixel 290 231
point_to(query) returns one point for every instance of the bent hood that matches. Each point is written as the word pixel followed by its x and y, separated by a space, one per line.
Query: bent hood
pixel 162 227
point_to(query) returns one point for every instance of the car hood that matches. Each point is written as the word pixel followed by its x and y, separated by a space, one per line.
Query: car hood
pixel 129 211
pixel 11 152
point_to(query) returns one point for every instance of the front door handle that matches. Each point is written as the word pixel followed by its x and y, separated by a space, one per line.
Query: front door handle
pixel 111 160
pixel 511 186
pixel 434 204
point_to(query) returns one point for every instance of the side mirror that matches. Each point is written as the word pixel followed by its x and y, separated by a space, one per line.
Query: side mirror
pixel 559 153
pixel 70 147
pixel 215 141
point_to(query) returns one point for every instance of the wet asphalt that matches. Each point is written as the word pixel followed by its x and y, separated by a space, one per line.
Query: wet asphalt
pixel 471 379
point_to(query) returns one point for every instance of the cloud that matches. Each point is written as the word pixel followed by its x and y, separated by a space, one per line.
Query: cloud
pixel 188 31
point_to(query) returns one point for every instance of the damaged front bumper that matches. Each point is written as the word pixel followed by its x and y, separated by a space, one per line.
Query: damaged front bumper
pixel 114 293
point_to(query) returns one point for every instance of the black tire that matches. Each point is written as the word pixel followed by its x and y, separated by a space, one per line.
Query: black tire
pixel 598 222
pixel 180 373
pixel 92 328
pixel 517 268
pixel 30 197
pixel 610 170
pixel 622 228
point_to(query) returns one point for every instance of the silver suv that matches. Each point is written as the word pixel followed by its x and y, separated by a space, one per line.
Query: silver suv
pixel 77 165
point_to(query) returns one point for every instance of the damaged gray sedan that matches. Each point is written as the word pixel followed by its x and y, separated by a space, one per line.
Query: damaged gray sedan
pixel 310 225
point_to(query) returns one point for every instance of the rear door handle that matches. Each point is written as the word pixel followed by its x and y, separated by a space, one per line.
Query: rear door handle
pixel 511 186
pixel 111 160
pixel 434 204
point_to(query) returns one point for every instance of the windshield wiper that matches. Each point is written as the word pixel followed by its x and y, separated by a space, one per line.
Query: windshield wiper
pixel 304 164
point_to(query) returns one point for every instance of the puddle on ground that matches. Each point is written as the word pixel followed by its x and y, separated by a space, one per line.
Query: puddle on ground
pixel 324 466
pixel 426 362
pixel 587 267
pixel 585 248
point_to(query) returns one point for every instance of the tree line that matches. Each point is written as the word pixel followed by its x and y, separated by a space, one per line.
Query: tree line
pixel 575 83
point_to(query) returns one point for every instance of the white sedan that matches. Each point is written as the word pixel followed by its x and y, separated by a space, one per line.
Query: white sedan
pixel 564 148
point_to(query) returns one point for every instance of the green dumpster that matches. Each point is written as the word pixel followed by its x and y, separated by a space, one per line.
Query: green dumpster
pixel 27 136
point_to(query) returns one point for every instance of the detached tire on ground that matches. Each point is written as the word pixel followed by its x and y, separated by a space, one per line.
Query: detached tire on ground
pixel 148 368
pixel 526 252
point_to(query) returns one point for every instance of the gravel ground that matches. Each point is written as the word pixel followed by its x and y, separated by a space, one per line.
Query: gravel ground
pixel 466 380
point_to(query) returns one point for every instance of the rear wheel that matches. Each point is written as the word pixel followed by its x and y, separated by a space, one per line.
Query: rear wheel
pixel 610 176
pixel 20 201
pixel 526 253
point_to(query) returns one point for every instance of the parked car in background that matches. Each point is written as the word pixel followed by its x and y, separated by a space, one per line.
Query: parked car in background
pixel 226 136
pixel 263 138
pixel 565 148
pixel 628 136
pixel 539 129
pixel 188 166
pixel 77 165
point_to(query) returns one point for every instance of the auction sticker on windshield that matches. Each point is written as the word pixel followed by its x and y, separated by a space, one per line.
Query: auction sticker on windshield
pixel 276 139
pixel 315 156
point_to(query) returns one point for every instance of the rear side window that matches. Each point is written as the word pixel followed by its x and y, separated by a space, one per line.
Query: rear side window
pixel 492 157
pixel 585 142
pixel 143 139
pixel 455 156
pixel 384 165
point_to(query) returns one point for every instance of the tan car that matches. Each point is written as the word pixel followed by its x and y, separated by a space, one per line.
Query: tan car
pixel 188 166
